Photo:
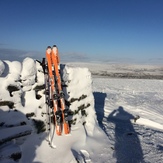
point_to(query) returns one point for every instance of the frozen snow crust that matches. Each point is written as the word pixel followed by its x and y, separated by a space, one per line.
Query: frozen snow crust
pixel 113 119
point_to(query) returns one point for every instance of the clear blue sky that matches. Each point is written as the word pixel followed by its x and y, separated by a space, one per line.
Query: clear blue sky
pixel 82 29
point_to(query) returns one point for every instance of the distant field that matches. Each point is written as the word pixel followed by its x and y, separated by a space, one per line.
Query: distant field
pixel 128 71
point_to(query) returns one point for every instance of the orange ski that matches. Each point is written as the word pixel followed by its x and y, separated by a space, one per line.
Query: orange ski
pixel 53 93
pixel 55 61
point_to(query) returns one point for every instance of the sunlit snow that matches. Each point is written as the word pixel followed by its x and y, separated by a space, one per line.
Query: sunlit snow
pixel 122 121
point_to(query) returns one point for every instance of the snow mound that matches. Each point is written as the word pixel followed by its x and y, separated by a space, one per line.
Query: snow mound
pixel 29 68
pixel 15 69
pixel 39 75
pixel 28 73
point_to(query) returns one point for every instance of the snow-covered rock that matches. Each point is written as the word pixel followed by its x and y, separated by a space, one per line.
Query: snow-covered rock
pixel 40 75
pixel 15 69
pixel 28 74
pixel 29 68
pixel 2 67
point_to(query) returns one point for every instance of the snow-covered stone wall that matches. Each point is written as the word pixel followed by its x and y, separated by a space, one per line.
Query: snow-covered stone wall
pixel 19 82
pixel 22 102
pixel 18 101
pixel 78 91
pixel 17 79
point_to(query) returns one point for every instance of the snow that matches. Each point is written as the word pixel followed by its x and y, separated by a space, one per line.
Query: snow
pixel 80 85
pixel 121 122
pixel 28 73
pixel 143 97
pixel 8 133
pixel 2 67
pixel 117 103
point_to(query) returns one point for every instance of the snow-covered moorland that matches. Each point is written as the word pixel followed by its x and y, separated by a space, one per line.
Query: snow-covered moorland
pixel 113 120
pixel 123 70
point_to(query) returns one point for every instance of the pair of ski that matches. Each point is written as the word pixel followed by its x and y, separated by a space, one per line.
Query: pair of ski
pixel 54 93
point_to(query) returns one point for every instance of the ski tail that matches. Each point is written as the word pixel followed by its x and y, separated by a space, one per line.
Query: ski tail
pixel 66 123
pixel 65 116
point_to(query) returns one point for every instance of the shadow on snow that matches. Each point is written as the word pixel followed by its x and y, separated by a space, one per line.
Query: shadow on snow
pixel 20 148
pixel 99 107
pixel 127 147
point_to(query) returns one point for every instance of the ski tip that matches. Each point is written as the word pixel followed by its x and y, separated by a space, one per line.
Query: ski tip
pixel 55 49
pixel 54 46
pixel 48 49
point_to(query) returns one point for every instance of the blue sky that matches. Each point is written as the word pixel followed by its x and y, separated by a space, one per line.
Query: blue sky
pixel 83 30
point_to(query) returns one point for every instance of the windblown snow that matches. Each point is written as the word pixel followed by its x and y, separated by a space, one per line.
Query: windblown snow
pixel 112 119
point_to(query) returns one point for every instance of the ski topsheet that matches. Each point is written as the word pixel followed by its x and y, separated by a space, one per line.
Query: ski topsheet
pixel 55 59
pixel 56 92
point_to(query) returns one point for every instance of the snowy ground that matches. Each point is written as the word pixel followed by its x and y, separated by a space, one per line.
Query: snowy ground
pixel 129 113
pixel 117 103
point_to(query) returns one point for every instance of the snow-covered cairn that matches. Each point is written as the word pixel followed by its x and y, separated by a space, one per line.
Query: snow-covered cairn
pixel 78 91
